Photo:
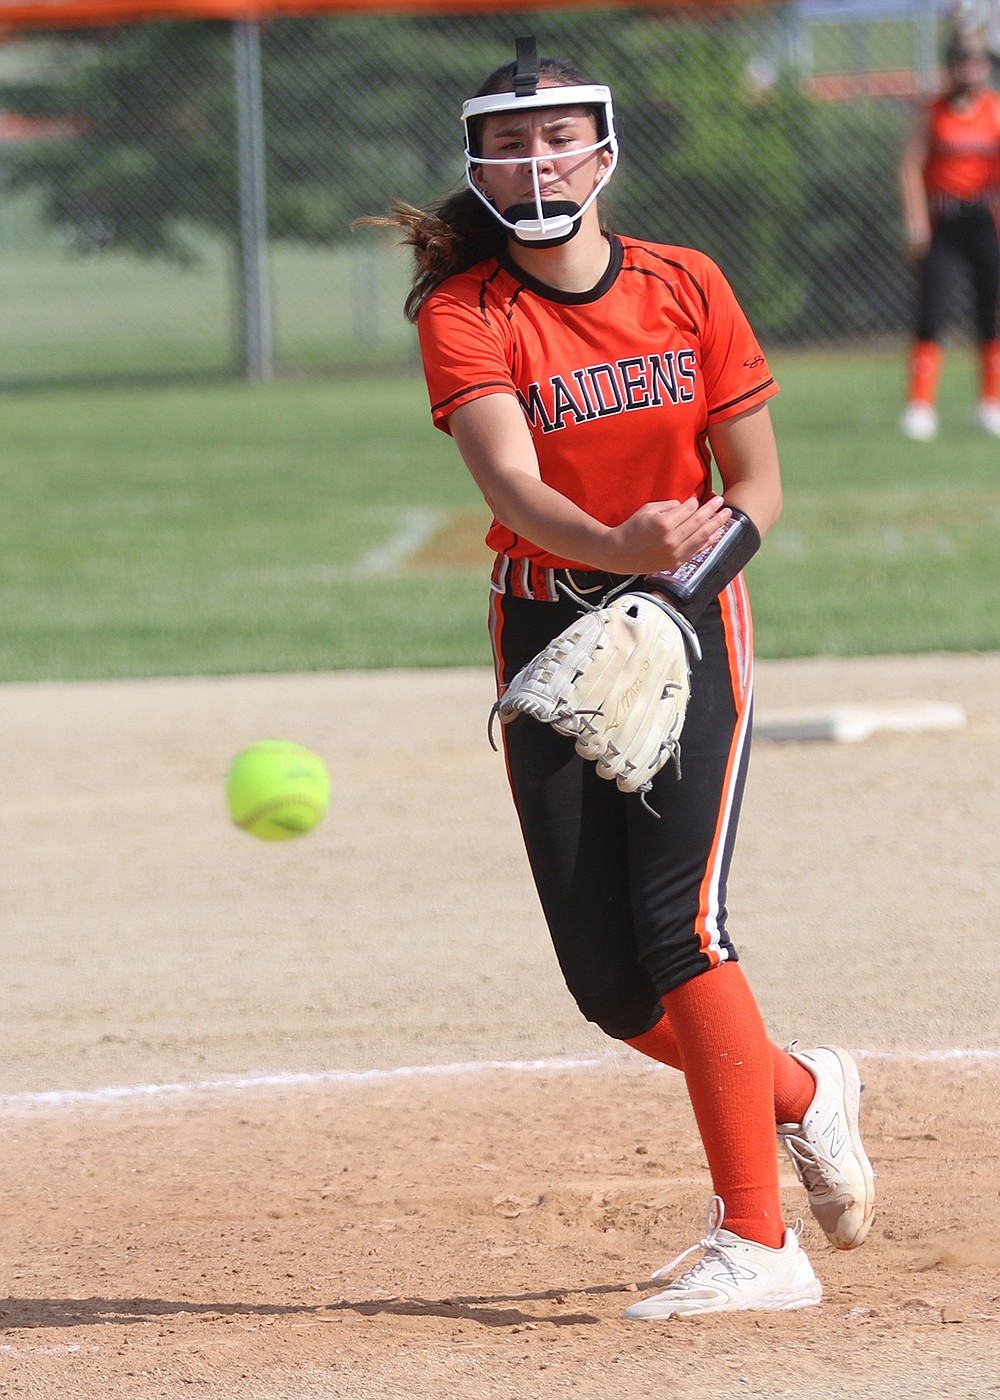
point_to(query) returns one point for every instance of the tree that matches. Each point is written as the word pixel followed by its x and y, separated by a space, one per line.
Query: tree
pixel 152 154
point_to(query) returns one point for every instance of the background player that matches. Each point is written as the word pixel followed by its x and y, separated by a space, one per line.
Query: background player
pixel 950 186
pixel 589 381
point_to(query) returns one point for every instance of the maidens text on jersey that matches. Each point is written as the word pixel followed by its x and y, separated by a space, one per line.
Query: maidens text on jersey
pixel 618 385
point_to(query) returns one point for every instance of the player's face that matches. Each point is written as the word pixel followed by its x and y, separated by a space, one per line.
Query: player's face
pixel 553 140
pixel 970 72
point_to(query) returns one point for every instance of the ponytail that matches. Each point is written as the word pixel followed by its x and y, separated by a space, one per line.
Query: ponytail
pixel 449 236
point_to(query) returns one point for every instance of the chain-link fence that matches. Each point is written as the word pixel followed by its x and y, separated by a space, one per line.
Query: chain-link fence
pixel 178 198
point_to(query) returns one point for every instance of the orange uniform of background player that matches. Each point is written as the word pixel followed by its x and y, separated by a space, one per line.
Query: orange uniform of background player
pixel 950 187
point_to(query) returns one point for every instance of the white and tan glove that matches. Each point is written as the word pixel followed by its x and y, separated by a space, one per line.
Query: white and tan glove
pixel 617 681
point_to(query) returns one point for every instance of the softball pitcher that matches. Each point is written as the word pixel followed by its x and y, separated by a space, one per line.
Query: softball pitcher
pixel 594 385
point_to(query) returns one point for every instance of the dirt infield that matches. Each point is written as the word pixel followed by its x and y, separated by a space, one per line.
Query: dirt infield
pixel 319 1119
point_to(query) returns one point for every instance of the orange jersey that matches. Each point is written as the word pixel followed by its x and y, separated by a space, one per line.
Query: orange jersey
pixel 619 385
pixel 964 150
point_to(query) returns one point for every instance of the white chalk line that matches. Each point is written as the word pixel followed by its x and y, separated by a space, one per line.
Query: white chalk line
pixel 55 1098
pixel 60 1098
pixel 415 528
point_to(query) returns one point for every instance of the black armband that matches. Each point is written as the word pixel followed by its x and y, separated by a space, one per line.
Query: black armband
pixel 692 586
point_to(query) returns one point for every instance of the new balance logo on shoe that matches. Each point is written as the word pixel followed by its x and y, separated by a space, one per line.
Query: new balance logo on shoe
pixel 826 1151
pixel 734 1275
pixel 837 1137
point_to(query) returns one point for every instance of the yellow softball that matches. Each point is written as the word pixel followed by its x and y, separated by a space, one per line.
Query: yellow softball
pixel 276 790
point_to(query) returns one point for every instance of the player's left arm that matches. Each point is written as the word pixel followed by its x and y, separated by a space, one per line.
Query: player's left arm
pixel 746 456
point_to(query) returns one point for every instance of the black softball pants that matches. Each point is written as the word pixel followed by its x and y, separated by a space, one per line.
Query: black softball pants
pixel 635 904
pixel 967 243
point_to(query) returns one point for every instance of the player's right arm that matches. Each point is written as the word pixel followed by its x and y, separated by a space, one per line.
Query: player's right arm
pixel 912 190
pixel 496 445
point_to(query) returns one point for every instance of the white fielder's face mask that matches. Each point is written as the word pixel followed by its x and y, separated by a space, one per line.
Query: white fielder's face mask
pixel 541 222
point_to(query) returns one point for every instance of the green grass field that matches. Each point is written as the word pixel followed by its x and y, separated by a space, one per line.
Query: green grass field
pixel 326 525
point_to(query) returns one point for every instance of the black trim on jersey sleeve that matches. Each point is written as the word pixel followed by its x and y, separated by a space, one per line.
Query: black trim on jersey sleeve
pixel 471 389
pixel 542 289
pixel 758 389
pixel 515 298
pixel 672 262
pixel 484 284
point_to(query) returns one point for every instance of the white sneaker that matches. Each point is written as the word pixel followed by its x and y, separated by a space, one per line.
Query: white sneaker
pixel 988 416
pixel 919 422
pixel 734 1275
pixel 826 1151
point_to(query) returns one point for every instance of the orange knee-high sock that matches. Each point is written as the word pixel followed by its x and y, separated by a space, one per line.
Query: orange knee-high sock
pixel 730 1080
pixel 794 1086
pixel 926 357
pixel 989 370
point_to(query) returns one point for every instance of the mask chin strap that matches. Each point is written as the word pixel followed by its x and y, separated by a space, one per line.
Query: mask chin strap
pixel 556 226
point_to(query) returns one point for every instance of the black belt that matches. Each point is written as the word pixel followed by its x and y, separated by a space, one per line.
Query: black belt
pixel 591 583
pixel 950 207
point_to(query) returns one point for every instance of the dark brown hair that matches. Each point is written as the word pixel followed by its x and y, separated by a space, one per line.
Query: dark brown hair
pixel 964 45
